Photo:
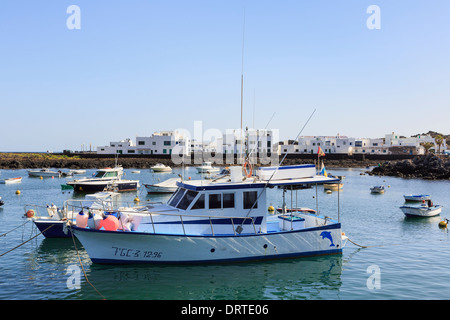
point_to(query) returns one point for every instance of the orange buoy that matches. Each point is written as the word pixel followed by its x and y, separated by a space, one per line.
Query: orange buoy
pixel 110 223
pixel 248 170
pixel 30 213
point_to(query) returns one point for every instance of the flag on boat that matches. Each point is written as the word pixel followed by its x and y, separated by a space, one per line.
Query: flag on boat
pixel 323 171
pixel 320 152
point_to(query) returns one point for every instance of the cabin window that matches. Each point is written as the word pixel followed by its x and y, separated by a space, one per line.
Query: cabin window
pixel 103 174
pixel 250 199
pixel 200 203
pixel 187 199
pixel 228 200
pixel 176 197
pixel 215 201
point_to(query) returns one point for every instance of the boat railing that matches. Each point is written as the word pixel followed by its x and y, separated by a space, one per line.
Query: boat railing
pixel 106 205
pixel 184 218
pixel 38 209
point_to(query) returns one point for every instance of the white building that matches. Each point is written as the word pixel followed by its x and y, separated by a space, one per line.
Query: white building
pixel 345 145
pixel 311 144
pixel 161 143
pixel 250 141
pixel 120 147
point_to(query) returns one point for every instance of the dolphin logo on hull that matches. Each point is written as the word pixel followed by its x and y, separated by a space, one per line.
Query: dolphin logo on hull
pixel 327 235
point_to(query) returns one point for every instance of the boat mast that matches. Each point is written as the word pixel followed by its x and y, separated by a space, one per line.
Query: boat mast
pixel 242 88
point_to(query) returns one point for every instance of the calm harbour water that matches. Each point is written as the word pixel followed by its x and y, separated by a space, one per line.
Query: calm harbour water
pixel 410 254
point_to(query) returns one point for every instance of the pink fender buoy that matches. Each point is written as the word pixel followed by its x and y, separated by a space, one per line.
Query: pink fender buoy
pixel 82 219
pixel 110 223
pixel 94 222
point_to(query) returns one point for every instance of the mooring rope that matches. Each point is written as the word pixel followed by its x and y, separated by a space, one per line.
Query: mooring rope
pixel 1 255
pixel 4 234
pixel 81 264
pixel 356 243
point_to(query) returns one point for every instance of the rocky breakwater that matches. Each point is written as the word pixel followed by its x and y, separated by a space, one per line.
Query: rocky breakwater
pixel 32 161
pixel 426 167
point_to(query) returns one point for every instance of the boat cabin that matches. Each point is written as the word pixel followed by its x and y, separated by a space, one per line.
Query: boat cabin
pixel 109 173
pixel 228 205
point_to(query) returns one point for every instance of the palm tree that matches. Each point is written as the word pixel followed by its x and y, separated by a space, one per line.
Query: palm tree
pixel 427 146
pixel 439 140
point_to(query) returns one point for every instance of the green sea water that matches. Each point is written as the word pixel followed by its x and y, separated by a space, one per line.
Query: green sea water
pixel 403 258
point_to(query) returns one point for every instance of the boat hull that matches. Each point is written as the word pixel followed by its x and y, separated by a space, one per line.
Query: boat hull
pixel 11 181
pixel 333 186
pixel 207 170
pixel 88 187
pixel 411 211
pixel 156 189
pixel 161 169
pixel 419 197
pixel 43 174
pixel 52 229
pixel 118 247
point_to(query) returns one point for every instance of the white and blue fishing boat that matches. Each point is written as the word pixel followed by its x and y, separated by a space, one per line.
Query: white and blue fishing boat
pixel 52 224
pixel 104 178
pixel 216 222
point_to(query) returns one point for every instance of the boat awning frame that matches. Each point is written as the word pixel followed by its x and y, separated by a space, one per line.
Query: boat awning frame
pixel 302 181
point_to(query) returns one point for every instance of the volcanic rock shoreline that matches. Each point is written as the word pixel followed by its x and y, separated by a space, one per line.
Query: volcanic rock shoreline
pixel 428 167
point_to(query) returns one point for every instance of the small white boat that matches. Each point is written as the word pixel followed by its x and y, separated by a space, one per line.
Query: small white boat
pixel 44 173
pixel 416 197
pixel 333 186
pixel 377 189
pixel 159 167
pixel 78 171
pixel 206 167
pixel 167 186
pixel 426 209
pixel 11 180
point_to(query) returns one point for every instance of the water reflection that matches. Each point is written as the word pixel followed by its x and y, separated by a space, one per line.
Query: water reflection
pixel 288 279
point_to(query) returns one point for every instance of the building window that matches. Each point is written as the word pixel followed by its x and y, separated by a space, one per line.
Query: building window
pixel 164 150
pixel 167 143
pixel 141 143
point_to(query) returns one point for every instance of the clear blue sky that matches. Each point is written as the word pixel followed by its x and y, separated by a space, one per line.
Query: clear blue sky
pixel 136 67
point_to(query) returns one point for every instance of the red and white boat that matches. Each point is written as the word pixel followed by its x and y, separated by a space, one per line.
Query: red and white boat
pixel 11 180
